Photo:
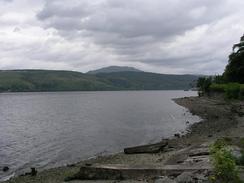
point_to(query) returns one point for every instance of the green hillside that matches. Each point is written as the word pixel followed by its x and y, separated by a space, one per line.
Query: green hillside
pixel 48 80
pixel 148 81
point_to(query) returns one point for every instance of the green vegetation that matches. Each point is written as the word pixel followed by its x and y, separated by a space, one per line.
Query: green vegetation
pixel 148 81
pixel 40 80
pixel 46 80
pixel 231 83
pixel 231 90
pixel 218 87
pixel 234 71
pixel 225 167
pixel 203 83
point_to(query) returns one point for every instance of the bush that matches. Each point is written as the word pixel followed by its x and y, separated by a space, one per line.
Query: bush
pixel 204 83
pixel 232 91
pixel 225 167
pixel 224 163
pixel 218 87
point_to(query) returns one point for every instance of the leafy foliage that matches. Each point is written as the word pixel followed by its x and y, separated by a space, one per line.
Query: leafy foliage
pixel 232 80
pixel 219 79
pixel 218 87
pixel 231 90
pixel 234 71
pixel 224 163
pixel 204 84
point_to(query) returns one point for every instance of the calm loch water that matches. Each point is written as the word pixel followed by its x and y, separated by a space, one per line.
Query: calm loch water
pixel 51 129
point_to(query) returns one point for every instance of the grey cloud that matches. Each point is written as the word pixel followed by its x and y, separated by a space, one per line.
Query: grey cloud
pixel 63 8
pixel 135 18
pixel 7 1
pixel 190 36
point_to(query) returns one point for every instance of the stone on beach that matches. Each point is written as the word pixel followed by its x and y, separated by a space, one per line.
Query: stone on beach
pixel 5 169
pixel 151 148
pixel 164 180
pixel 125 172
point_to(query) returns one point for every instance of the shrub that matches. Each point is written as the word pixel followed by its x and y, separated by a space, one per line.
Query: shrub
pixel 218 144
pixel 232 91
pixel 224 163
pixel 218 87
pixel 204 84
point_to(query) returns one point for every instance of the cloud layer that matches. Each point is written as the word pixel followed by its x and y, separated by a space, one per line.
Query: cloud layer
pixel 170 36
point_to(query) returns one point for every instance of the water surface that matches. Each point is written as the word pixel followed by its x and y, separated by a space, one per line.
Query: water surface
pixel 51 129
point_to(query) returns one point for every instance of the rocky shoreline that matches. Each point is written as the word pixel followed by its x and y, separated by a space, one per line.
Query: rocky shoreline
pixel 220 119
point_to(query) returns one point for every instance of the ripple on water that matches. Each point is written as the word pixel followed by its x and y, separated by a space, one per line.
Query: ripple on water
pixel 51 129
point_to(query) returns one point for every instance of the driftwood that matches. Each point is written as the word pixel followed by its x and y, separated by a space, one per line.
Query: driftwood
pixel 151 148
pixel 204 153
pixel 199 152
pixel 121 172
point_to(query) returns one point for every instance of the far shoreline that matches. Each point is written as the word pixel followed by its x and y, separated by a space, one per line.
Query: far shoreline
pixel 74 91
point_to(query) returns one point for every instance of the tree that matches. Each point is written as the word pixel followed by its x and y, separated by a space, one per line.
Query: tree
pixel 204 83
pixel 234 71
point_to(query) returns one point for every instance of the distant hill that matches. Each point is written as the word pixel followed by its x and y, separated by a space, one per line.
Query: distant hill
pixel 49 80
pixel 111 69
pixel 148 81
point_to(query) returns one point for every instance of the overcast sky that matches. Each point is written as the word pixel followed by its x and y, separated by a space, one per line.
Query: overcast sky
pixel 164 36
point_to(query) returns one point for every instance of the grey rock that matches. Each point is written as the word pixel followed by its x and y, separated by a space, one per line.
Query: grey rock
pixel 164 180
pixel 235 151
pixel 177 135
pixel 201 178
pixel 185 177
pixel 5 169
pixel 33 171
pixel 193 177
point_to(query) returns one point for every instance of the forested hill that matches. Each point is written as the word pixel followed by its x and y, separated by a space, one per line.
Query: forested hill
pixel 149 81
pixel 111 69
pixel 49 80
